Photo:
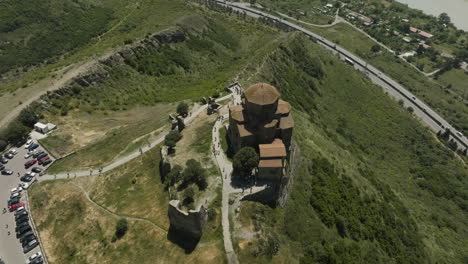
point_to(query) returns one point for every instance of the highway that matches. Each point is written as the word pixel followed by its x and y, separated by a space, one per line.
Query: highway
pixel 428 116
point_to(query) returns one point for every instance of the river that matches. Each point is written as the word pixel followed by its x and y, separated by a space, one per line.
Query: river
pixel 456 9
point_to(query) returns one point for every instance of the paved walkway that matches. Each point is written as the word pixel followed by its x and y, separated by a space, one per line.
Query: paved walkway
pixel 131 156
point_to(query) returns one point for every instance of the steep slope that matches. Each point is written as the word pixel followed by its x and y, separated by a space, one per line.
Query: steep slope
pixel 374 185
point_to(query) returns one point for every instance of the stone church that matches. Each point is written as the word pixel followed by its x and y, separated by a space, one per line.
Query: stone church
pixel 263 121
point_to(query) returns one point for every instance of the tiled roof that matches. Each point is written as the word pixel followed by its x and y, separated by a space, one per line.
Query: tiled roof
pixel 242 131
pixel 262 94
pixel 271 163
pixel 287 122
pixel 283 107
pixel 236 113
pixel 273 150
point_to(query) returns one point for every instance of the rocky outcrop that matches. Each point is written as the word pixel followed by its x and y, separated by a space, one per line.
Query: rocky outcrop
pixel 191 223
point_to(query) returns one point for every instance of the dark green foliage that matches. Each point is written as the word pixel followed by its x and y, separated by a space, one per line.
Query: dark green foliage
pixel 182 109
pixel 171 139
pixel 376 48
pixel 30 115
pixel 3 145
pixel 174 176
pixel 121 228
pixel 195 173
pixel 189 194
pixel 245 160
pixel 55 26
pixel 16 132
pixel 165 62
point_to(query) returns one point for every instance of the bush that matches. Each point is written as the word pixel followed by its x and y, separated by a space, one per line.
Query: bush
pixel 121 228
pixel 3 145
pixel 245 161
pixel 194 173
pixel 182 109
pixel 16 132
pixel 171 139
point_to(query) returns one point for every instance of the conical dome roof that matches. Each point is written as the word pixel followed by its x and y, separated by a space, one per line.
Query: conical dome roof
pixel 262 94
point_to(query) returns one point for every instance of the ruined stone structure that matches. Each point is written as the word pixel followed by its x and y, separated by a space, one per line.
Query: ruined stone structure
pixel 263 121
pixel 189 223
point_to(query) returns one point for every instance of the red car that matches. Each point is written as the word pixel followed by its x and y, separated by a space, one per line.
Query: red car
pixel 15 206
pixel 43 159
pixel 30 163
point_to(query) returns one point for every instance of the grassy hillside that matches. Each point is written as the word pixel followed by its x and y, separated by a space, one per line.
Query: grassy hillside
pixel 75 229
pixel 374 185
pixel 200 66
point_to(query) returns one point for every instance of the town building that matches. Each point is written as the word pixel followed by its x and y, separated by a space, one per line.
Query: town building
pixel 263 121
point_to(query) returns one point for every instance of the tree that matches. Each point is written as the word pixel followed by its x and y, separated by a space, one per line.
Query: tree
pixel 174 175
pixel 28 116
pixel 444 18
pixel 3 145
pixel 121 228
pixel 189 194
pixel 182 109
pixel 375 48
pixel 16 132
pixel 171 139
pixel 195 173
pixel 245 161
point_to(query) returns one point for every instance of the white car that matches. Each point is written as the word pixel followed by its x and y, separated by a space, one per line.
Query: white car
pixel 23 186
pixel 28 155
pixel 15 194
pixel 28 143
pixel 30 173
pixel 17 189
pixel 13 151
pixel 33 257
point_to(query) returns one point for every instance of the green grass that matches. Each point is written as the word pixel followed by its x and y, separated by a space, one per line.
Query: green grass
pixel 203 138
pixel 74 230
pixel 374 185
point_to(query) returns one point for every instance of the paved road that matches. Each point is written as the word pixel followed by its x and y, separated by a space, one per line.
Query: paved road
pixel 422 111
pixel 10 248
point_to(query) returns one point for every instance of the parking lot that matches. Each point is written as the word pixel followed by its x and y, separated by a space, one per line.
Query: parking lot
pixel 11 250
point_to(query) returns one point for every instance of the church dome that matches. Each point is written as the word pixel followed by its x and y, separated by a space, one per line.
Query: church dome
pixel 262 94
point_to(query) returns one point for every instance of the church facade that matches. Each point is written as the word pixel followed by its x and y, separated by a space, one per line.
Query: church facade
pixel 263 121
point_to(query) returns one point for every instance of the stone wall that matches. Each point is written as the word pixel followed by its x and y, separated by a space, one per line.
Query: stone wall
pixel 191 223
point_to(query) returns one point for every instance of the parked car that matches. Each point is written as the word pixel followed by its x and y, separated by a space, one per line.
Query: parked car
pixel 16 194
pixel 37 261
pixel 21 213
pixel 7 172
pixel 27 178
pixel 23 185
pixel 2 167
pixel 40 156
pixel 14 207
pixel 13 201
pixel 20 210
pixel 46 162
pixel 28 239
pixel 30 163
pixel 36 170
pixel 20 225
pixel 37 153
pixel 21 219
pixel 18 189
pixel 23 230
pixel 30 246
pixel 28 155
pixel 3 160
pixel 33 147
pixel 35 256
pixel 28 143
pixel 8 155
pixel 23 236
pixel 43 159
pixel 13 151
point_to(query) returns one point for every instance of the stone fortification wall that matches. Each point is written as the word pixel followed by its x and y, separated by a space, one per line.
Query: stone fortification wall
pixel 191 223
pixel 288 179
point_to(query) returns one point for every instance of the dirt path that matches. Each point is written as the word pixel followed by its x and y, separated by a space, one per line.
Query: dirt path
pixel 130 218
pixel 28 95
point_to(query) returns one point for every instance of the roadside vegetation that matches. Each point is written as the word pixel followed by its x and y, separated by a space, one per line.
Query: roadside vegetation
pixel 374 185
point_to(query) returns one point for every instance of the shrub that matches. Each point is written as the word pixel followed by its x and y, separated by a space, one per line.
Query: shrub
pixel 194 173
pixel 182 109
pixel 171 139
pixel 121 228
pixel 245 161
